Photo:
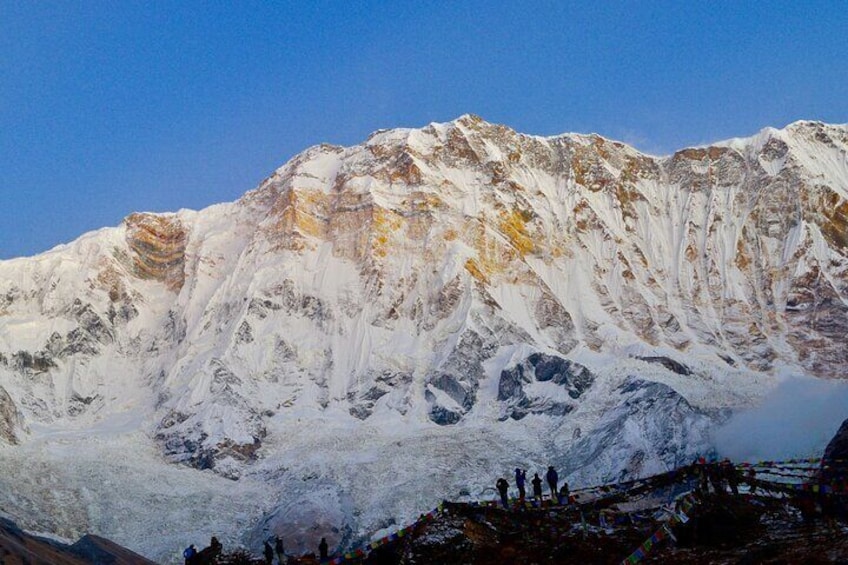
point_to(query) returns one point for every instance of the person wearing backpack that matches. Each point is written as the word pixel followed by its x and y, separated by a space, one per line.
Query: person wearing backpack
pixel 189 554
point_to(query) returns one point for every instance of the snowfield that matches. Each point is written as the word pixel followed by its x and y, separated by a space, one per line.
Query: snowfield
pixel 321 474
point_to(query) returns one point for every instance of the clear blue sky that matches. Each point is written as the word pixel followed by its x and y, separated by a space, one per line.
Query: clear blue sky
pixel 112 107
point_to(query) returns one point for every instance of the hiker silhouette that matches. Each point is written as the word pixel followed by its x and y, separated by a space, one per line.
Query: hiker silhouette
pixel 537 486
pixel 520 480
pixel 190 553
pixel 269 553
pixel 208 555
pixel 564 494
pixel 552 478
pixel 278 547
pixel 323 549
pixel 503 489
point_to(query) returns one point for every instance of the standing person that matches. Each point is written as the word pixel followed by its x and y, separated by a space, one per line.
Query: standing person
pixel 552 481
pixel 520 479
pixel 269 553
pixel 216 548
pixel 208 554
pixel 278 546
pixel 503 489
pixel 537 486
pixel 564 494
pixel 189 554
pixel 323 549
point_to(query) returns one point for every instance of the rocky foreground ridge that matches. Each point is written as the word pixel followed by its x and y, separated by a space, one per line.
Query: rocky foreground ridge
pixel 19 547
pixel 459 288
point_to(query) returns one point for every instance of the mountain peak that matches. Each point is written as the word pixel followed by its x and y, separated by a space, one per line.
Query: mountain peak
pixel 457 288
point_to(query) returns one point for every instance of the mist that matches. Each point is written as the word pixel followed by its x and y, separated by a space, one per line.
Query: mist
pixel 796 420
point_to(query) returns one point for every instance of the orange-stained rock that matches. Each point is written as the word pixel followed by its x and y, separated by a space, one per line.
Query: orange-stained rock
pixel 157 244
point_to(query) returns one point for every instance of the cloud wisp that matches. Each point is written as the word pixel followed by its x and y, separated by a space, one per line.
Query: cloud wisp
pixel 796 420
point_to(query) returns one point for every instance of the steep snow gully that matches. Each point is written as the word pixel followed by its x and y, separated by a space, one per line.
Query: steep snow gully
pixel 375 328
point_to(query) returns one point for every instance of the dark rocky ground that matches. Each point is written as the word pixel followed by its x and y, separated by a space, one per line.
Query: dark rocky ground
pixel 723 529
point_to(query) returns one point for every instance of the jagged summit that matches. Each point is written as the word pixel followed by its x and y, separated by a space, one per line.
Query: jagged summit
pixel 458 288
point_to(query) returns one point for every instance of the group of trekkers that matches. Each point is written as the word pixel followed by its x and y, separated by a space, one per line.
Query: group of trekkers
pixel 205 556
pixel 210 555
pixel 277 548
pixel 561 495
pixel 718 475
pixel 710 477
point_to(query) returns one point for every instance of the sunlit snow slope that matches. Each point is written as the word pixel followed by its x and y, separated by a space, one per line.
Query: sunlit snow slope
pixel 378 327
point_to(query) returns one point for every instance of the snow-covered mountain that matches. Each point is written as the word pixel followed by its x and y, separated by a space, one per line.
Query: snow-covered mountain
pixel 377 327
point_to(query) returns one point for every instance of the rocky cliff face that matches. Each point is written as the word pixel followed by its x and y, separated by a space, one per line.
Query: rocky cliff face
pixel 454 276
pixel 10 418
pixel 157 248
pixel 835 458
